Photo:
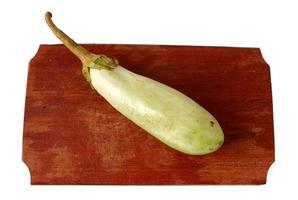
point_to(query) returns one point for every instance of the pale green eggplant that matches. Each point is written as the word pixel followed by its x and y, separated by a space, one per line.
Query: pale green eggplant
pixel 162 111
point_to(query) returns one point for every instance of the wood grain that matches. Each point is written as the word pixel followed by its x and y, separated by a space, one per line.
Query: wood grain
pixel 73 136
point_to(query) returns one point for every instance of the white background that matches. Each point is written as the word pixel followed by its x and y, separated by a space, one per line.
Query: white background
pixel 270 25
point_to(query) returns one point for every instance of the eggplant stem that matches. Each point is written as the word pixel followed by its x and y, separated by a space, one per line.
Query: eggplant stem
pixel 88 59
pixel 83 54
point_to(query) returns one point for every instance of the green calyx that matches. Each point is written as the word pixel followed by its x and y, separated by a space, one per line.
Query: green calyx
pixel 99 62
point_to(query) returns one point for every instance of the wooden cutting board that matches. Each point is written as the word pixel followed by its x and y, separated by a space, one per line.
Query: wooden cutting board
pixel 73 136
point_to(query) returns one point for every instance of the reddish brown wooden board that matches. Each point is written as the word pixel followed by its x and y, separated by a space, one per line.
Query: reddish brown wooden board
pixel 73 136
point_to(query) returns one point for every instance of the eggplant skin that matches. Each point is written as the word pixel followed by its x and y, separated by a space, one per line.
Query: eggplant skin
pixel 162 111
